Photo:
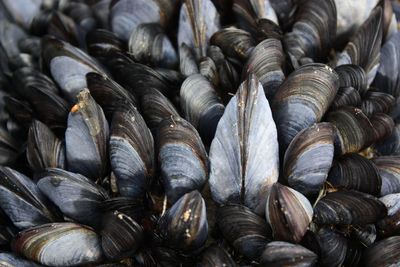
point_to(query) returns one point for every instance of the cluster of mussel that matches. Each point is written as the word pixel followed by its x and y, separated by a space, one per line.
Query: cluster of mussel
pixel 199 133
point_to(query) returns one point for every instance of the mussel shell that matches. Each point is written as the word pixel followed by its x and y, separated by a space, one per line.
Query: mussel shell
pixel 22 11
pixel 132 207
pixel 313 32
pixel 389 170
pixel 390 145
pixel 44 149
pixel 86 138
pixel 387 78
pixel 9 147
pixel 76 196
pixel 216 256
pixel 108 94
pixel 383 253
pixel 149 44
pixel 302 100
pixel 352 76
pixel 244 230
pixel 279 253
pixel 68 66
pixel 101 43
pixel 131 152
pixel 355 172
pixel 377 102
pixel 353 130
pixel 8 259
pixel 201 105
pixel 121 236
pixel 184 226
pixel 155 108
pixel 187 61
pixel 22 201
pixel 266 62
pixel 308 159
pixel 348 207
pixel 242 172
pixel 382 125
pixel 198 21
pixel 59 244
pixel 366 234
pixel 182 158
pixel 235 43
pixel 288 213
pixel 268 29
pixel 390 225
pixel 126 15
pixel 364 47
pixel 248 12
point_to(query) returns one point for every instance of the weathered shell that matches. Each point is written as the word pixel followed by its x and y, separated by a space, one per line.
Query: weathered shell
pixel 44 149
pixel 149 44
pixel 348 207
pixel 86 138
pixel 182 158
pixel 355 172
pixel 242 172
pixel 266 62
pixel 286 254
pixel 244 230
pixel 131 152
pixel 121 236
pixel 332 246
pixel 187 61
pixel 76 196
pixel 22 201
pixel 184 226
pixel 198 21
pixel 216 256
pixel 302 100
pixel 249 11
pixel 383 126
pixel 390 145
pixel 59 244
pixel 383 253
pixel 201 105
pixel 308 159
pixel 288 213
pixel 389 170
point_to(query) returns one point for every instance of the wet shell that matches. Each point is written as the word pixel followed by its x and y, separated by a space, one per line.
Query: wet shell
pixel 184 226
pixel 244 230
pixel 377 102
pixel 389 170
pixel 383 253
pixel 216 256
pixel 346 96
pixel 22 201
pixel 182 157
pixel 348 207
pixel 288 212
pixel 308 159
pixel 76 196
pixel 59 244
pixel 131 152
pixel 44 149
pixel 121 236
pixel 390 225
pixel 8 259
pixel 201 105
pixel 286 254
pixel 352 76
pixel 302 100
pixel 266 62
pixel 355 172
